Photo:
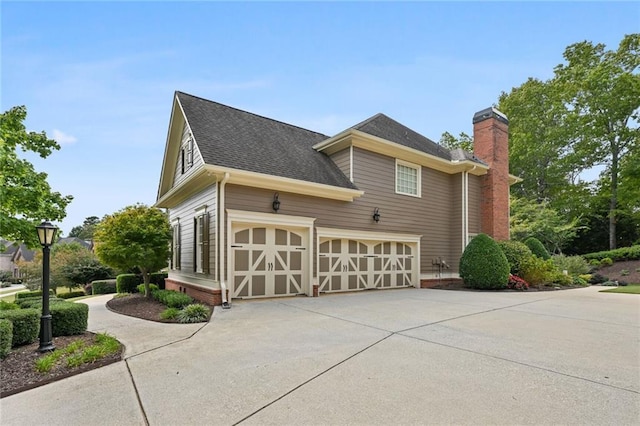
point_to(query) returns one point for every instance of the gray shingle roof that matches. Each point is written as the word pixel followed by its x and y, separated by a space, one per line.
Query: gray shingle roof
pixel 387 128
pixel 238 139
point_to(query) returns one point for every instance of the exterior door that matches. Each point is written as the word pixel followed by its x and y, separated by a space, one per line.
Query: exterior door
pixel 267 261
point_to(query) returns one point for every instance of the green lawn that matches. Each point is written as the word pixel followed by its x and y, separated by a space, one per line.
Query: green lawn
pixel 631 289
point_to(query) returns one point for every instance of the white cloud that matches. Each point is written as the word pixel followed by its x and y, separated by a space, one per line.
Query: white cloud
pixel 63 138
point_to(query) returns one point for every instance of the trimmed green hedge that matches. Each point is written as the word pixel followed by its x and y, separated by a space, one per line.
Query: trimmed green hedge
pixel 172 299
pixel 158 278
pixel 72 294
pixel 624 253
pixel 36 302
pixel 103 287
pixel 152 288
pixel 483 265
pixel 26 325
pixel 6 337
pixel 127 283
pixel 69 318
pixel 37 293
pixel 537 248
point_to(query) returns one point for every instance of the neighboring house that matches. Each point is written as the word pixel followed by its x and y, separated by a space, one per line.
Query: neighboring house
pixel 263 208
pixel 88 244
pixel 12 254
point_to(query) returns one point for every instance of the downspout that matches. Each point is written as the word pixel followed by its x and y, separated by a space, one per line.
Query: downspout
pixel 221 242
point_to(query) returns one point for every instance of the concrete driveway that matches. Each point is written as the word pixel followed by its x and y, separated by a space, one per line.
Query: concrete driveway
pixel 380 357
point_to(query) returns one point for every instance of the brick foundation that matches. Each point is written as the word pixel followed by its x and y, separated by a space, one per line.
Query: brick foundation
pixel 433 282
pixel 210 296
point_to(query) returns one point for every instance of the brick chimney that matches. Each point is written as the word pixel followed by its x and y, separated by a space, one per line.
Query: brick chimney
pixel 491 145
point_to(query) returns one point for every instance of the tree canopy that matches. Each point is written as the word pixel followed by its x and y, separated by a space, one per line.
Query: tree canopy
pixel 86 230
pixel 136 236
pixel 26 196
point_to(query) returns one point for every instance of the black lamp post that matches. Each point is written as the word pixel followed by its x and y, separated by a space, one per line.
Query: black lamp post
pixel 46 235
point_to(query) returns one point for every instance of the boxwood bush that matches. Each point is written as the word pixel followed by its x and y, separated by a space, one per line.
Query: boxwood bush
pixel 103 287
pixel 127 283
pixel 537 248
pixel 516 253
pixel 35 302
pixel 483 265
pixel 7 306
pixel 152 288
pixel 6 337
pixel 36 293
pixel 69 318
pixel 72 294
pixel 26 325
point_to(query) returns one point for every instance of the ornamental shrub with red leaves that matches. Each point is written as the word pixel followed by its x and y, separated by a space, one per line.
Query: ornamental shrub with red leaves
pixel 517 283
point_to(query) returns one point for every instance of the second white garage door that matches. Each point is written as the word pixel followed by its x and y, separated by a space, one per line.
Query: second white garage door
pixel 348 264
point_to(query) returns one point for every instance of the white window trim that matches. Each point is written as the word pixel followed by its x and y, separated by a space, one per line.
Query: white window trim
pixel 418 168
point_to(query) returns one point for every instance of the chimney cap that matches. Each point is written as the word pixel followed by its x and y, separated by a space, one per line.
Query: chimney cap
pixel 490 112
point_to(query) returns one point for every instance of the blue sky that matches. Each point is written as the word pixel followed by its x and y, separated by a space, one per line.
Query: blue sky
pixel 99 76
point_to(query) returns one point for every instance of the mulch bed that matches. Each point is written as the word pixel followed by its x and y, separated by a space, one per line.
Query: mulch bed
pixel 18 373
pixel 139 306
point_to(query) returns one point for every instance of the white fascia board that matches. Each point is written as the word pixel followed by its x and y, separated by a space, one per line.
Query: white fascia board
pixel 278 183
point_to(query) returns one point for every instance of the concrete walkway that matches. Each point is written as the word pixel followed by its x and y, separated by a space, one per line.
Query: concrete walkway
pixel 380 357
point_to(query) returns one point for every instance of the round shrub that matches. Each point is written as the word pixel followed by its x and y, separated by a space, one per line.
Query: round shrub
pixel 193 313
pixel 516 253
pixel 69 318
pixel 483 265
pixel 598 279
pixel 103 287
pixel 152 287
pixel 607 261
pixel 7 306
pixel 72 294
pixel 127 283
pixel 537 248
pixel 6 337
pixel 26 325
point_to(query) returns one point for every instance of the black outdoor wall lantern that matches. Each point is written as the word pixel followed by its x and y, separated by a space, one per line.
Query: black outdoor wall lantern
pixel 276 202
pixel 376 215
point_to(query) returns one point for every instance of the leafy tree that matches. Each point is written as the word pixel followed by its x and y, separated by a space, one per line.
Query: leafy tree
pixel 32 273
pixel 539 220
pixel 136 236
pixel 73 265
pixel 26 196
pixel 86 230
pixel 602 90
pixel 463 141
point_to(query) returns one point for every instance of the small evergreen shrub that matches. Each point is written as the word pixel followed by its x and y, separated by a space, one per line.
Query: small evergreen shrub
pixel 172 299
pixel 127 283
pixel 72 294
pixel 35 302
pixel 103 287
pixel 516 253
pixel 193 313
pixel 36 293
pixel 483 265
pixel 561 279
pixel 607 261
pixel 152 288
pixel 7 306
pixel 169 313
pixel 517 283
pixel 26 325
pixel 158 278
pixel 580 281
pixel 574 265
pixel 6 337
pixel 537 248
pixel 69 318
pixel 598 279
pixel 537 271
pixel 594 262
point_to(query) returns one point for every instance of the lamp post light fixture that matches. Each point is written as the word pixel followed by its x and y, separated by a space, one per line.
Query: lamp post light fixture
pixel 376 215
pixel 46 235
pixel 276 202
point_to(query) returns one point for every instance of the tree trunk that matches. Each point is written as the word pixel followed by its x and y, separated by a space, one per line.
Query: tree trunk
pixel 613 203
pixel 146 278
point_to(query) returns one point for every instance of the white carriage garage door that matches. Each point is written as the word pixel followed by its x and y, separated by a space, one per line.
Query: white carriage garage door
pixel 268 260
pixel 349 264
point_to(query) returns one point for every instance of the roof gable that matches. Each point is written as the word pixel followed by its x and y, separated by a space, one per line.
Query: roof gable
pixel 237 139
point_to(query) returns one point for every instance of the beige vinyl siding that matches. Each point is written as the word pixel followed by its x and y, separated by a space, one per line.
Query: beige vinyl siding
pixel 429 215
pixel 197 158
pixel 343 161
pixel 185 214
pixel 456 223
pixel 475 198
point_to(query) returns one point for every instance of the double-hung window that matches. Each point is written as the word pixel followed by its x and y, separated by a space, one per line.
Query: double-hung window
pixel 408 178
pixel 201 239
